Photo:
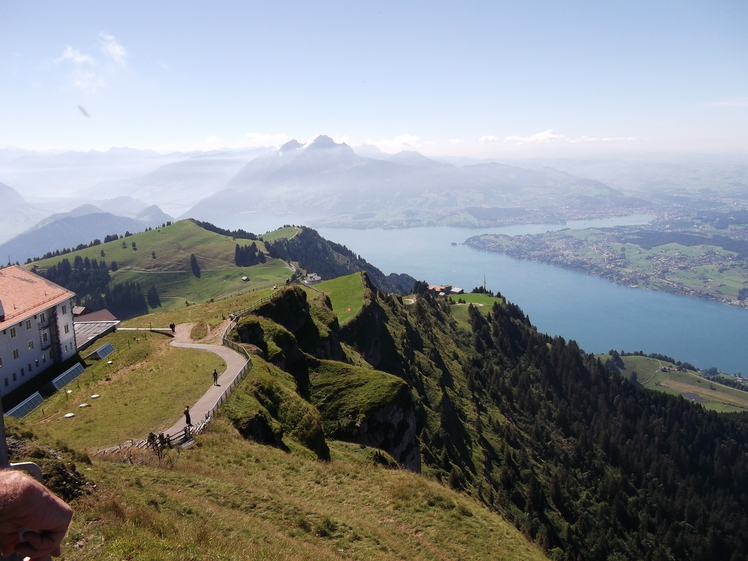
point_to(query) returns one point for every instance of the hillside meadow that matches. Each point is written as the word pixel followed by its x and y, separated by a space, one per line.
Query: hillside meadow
pixel 661 375
pixel 229 499
pixel 161 257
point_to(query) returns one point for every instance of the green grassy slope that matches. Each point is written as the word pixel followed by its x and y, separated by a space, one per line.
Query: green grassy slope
pixel 170 269
pixel 288 233
pixel 228 499
pixel 483 302
pixel 346 294
pixel 144 389
pixel 345 393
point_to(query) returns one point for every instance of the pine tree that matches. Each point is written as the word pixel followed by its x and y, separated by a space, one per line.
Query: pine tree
pixel 153 300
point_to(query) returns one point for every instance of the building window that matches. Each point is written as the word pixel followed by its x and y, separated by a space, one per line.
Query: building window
pixel 15 354
pixel 42 317
pixel 36 363
pixel 12 332
pixel 66 348
pixel 31 345
pixel 1 362
pixel 28 324
pixel 6 382
pixel 44 358
pixel 64 310
pixel 66 329
pixel 14 375
pixel 29 368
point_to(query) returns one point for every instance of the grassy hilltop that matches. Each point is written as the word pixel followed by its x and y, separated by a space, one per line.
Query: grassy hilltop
pixel 161 258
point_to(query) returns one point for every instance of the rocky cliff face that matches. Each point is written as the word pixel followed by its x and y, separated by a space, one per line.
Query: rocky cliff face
pixel 393 428
pixel 313 324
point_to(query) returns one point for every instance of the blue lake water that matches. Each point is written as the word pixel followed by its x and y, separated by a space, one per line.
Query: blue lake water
pixel 598 314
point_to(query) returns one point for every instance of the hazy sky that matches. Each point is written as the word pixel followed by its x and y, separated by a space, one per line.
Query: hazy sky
pixel 473 78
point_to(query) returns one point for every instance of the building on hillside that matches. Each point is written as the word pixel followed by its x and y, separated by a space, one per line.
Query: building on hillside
pixel 312 278
pixel 90 326
pixel 36 326
pixel 456 291
pixel 439 290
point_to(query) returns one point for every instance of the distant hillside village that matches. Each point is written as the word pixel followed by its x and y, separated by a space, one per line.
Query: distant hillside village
pixel 41 328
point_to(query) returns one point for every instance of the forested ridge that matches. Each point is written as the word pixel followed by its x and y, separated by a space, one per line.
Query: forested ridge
pixel 586 463
pixel 625 469
pixel 330 260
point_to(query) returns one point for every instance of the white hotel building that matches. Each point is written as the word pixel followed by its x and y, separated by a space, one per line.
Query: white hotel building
pixel 36 326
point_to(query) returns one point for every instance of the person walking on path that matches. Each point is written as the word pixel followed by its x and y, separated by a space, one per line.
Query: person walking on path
pixel 187 415
pixel 215 377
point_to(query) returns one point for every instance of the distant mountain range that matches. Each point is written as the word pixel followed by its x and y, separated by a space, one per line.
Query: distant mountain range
pixel 15 213
pixel 69 229
pixel 328 179
pixel 333 184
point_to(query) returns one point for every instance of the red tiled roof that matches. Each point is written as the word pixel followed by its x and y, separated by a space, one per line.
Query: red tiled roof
pixel 23 294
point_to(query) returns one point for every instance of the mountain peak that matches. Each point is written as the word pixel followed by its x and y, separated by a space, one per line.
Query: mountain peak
pixel 290 146
pixel 324 142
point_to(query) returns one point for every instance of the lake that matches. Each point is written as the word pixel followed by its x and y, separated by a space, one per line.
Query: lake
pixel 598 314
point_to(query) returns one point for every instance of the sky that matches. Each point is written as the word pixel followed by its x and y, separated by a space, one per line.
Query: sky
pixel 477 78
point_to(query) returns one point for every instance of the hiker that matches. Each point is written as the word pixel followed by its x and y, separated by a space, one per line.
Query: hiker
pixel 215 377
pixel 26 503
pixel 173 327
pixel 187 415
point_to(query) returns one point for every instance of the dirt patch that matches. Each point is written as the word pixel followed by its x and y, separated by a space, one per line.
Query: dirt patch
pixel 182 334
pixel 712 395
pixel 215 335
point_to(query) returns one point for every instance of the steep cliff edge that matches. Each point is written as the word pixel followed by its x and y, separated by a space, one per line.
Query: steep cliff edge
pixel 355 404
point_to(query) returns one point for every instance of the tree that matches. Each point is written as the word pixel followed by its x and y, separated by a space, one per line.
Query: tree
pixel 419 287
pixel 126 300
pixel 113 266
pixel 153 300
pixel 194 265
